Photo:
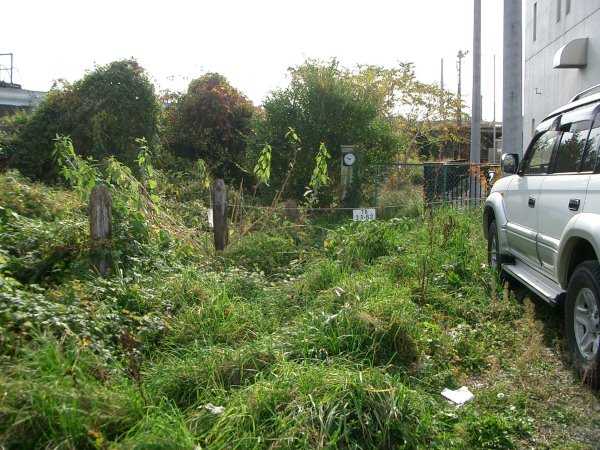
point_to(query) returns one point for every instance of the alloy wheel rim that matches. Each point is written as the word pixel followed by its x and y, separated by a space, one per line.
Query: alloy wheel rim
pixel 493 252
pixel 586 323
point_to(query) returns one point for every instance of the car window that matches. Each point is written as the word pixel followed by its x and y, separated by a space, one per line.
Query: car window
pixel 537 159
pixel 572 146
pixel 591 147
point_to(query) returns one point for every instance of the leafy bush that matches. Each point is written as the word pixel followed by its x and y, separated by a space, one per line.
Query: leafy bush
pixel 325 103
pixel 40 251
pixel 103 113
pixel 363 242
pixel 59 396
pixel 34 200
pixel 264 252
pixel 195 373
pixel 211 121
pixel 41 243
pixel 10 126
pixel 306 406
pixel 494 430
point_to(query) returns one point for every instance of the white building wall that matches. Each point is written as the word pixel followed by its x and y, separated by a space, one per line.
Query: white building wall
pixel 547 88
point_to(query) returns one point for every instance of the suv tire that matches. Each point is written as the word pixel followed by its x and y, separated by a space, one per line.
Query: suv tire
pixel 494 257
pixel 582 323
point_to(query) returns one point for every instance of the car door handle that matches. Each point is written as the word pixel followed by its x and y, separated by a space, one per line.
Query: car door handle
pixel 574 204
pixel 531 202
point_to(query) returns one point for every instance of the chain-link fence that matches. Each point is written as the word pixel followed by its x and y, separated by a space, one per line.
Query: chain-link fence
pixel 399 187
pixel 386 191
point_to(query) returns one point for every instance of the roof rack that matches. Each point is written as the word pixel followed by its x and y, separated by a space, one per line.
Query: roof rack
pixel 582 94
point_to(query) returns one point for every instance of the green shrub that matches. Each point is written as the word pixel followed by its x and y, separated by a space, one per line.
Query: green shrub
pixel 103 113
pixel 220 319
pixel 43 251
pixel 196 372
pixel 271 254
pixel 499 431
pixel 362 243
pixel 163 427
pixel 299 406
pixel 59 395
pixel 211 121
pixel 42 231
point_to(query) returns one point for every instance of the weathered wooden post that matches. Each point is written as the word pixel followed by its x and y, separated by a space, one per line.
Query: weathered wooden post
pixel 219 201
pixel 291 212
pixel 100 226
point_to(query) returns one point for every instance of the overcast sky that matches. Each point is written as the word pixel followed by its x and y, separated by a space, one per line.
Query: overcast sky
pixel 251 42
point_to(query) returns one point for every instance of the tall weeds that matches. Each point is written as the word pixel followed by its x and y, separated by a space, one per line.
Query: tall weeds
pixel 303 337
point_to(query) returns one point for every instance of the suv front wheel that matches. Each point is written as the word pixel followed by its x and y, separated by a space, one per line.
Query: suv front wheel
pixel 494 258
pixel 582 323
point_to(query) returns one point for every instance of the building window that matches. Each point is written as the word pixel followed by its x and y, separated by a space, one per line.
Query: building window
pixel 534 21
pixel 567 7
pixel 558 8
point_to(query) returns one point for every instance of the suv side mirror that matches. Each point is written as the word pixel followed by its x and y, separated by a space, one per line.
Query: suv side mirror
pixel 510 163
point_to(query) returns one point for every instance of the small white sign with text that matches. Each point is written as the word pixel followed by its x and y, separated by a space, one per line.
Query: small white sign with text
pixel 361 215
pixel 210 217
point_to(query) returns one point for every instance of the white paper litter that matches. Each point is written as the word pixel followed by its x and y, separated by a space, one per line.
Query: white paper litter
pixel 212 408
pixel 458 396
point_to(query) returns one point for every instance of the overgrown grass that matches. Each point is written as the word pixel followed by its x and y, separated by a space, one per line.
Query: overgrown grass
pixel 295 337
pixel 60 395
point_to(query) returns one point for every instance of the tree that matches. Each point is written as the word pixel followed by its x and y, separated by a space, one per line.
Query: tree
pixel 104 113
pixel 323 104
pixel 387 112
pixel 211 121
pixel 420 114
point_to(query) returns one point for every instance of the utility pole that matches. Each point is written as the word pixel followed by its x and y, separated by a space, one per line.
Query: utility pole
pixel 460 56
pixel 442 85
pixel 494 115
pixel 512 74
pixel 476 100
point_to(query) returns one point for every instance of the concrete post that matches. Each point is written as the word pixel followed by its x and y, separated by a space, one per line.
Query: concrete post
pixel 512 96
pixel 348 164
pixel 476 100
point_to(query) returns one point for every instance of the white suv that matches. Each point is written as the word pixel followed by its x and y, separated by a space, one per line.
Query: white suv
pixel 542 222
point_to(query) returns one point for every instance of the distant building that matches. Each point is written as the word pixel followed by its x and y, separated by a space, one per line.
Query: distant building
pixel 461 151
pixel 562 55
pixel 13 98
